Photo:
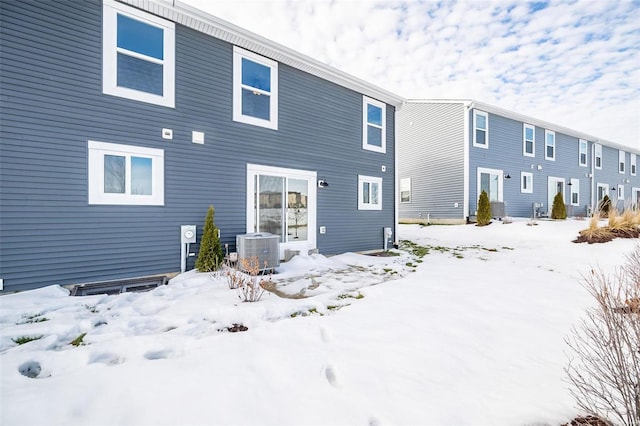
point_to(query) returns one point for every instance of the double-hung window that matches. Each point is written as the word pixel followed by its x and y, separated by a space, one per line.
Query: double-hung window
pixel 528 140
pixel 633 164
pixel 125 174
pixel 480 129
pixel 621 161
pixel 255 89
pixel 374 125
pixel 369 193
pixel 526 182
pixel 549 145
pixel 575 192
pixel 138 55
pixel 597 148
pixel 582 153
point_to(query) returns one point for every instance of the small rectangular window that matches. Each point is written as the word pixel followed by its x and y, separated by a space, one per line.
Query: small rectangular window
pixel 582 154
pixel 405 190
pixel 369 193
pixel 480 129
pixel 575 192
pixel 597 149
pixel 621 161
pixel 138 55
pixel 374 125
pixel 255 89
pixel 125 174
pixel 633 164
pixel 528 141
pixel 549 145
pixel 620 192
pixel 526 182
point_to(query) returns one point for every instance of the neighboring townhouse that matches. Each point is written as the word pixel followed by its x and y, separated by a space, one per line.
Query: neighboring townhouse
pixel 123 120
pixel 451 150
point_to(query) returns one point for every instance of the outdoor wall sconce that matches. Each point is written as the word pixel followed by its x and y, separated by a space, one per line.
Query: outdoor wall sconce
pixel 569 184
pixel 508 176
pixel 322 183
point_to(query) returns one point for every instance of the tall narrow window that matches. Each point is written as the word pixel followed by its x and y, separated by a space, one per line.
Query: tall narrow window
pixel 582 154
pixel 621 161
pixel 124 174
pixel 549 145
pixel 369 193
pixel 575 192
pixel 138 55
pixel 526 182
pixel 597 153
pixel 633 164
pixel 480 129
pixel 528 142
pixel 255 89
pixel 374 124
pixel 620 192
pixel 405 190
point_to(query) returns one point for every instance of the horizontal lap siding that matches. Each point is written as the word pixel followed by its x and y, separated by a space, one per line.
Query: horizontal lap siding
pixel 431 153
pixel 52 104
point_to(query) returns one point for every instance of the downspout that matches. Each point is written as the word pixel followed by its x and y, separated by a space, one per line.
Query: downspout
pixel 466 213
pixel 396 197
pixel 593 176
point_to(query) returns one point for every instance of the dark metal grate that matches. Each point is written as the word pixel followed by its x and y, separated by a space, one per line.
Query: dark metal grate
pixel 119 286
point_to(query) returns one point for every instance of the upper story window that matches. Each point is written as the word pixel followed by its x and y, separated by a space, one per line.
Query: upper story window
pixel 582 154
pixel 405 190
pixel 369 193
pixel 255 89
pixel 621 161
pixel 480 129
pixel 124 174
pixel 528 140
pixel 597 149
pixel 549 145
pixel 374 118
pixel 138 55
pixel 526 182
pixel 633 164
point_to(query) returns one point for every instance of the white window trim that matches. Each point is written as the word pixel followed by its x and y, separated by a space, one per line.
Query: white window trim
pixel 486 130
pixel 597 153
pixel 365 123
pixel 575 189
pixel 499 173
pixel 110 10
pixel 524 140
pixel 582 143
pixel 634 196
pixel 401 181
pixel 522 188
pixel 371 180
pixel 620 192
pixel 272 123
pixel 97 151
pixel 622 163
pixel 546 144
pixel 634 165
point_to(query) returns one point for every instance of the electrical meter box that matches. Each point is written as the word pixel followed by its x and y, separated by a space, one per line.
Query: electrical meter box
pixel 188 234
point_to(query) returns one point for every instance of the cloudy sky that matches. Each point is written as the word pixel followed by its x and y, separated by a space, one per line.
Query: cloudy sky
pixel 574 63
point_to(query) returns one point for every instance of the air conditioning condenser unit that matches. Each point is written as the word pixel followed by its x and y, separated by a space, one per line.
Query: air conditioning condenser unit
pixel 261 245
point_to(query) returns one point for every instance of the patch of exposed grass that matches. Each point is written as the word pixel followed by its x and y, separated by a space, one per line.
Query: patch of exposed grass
pixel 31 319
pixel 26 339
pixel 78 340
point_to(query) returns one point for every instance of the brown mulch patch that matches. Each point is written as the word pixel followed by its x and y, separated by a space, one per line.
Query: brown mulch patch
pixel 236 328
pixel 591 239
pixel 586 421
pixel 606 234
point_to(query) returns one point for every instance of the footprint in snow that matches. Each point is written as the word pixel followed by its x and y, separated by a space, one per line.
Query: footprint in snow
pixel 325 335
pixel 159 354
pixel 330 374
pixel 107 358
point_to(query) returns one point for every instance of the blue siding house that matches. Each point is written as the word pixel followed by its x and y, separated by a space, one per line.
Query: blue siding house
pixel 123 120
pixel 451 150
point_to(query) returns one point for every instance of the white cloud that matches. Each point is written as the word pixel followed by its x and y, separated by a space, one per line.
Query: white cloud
pixel 572 63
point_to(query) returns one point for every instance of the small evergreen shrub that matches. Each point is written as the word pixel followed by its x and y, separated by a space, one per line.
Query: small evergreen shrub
pixel 558 211
pixel 210 256
pixel 484 209
pixel 604 206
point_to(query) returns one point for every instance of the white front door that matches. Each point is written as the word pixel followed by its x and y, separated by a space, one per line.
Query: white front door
pixel 282 202
pixel 555 185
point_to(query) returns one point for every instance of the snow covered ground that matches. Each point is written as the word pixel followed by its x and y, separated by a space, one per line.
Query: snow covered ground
pixel 472 335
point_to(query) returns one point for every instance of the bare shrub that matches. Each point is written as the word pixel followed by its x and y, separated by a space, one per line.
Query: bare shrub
pixel 604 367
pixel 252 286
